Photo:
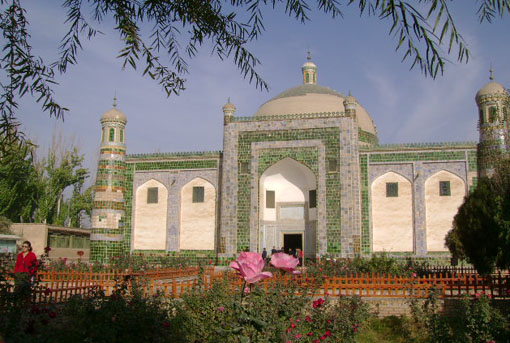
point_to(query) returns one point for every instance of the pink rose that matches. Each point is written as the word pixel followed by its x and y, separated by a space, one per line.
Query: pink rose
pixel 285 262
pixel 250 266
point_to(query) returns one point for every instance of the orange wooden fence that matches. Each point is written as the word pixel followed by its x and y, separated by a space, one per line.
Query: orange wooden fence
pixel 112 275
pixel 58 287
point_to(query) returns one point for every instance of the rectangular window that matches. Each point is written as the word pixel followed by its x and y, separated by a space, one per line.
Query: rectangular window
pixel 102 135
pixel 121 136
pixel 444 188
pixel 270 199
pixel 391 189
pixel 198 194
pixel 313 198
pixel 332 165
pixel 112 135
pixel 152 195
pixel 245 168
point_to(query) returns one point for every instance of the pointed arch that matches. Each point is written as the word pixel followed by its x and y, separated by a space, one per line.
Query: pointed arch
pixel 151 206
pixel 444 193
pixel 392 213
pixel 291 182
pixel 286 161
pixel 198 215
pixel 292 187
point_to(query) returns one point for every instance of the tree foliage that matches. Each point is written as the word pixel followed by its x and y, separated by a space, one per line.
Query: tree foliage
pixel 56 172
pixel 481 228
pixel 180 28
pixel 5 224
pixel 18 182
pixel 31 190
pixel 74 208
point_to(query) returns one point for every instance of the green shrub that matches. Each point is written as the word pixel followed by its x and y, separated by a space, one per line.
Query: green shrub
pixel 474 321
pixel 118 318
pixel 377 263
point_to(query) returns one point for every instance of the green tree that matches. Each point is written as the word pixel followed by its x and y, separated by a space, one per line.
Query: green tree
pixel 5 224
pixel 18 183
pixel 56 173
pixel 32 190
pixel 424 30
pixel 73 208
pixel 481 227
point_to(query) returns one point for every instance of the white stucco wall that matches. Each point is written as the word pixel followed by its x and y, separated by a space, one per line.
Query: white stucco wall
pixel 441 209
pixel 392 217
pixel 197 219
pixel 291 181
pixel 150 219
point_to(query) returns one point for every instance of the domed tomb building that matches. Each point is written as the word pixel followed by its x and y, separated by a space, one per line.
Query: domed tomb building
pixel 306 171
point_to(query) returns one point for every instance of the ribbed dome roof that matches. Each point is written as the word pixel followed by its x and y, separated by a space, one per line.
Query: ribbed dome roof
pixel 114 115
pixel 229 107
pixel 492 87
pixel 309 99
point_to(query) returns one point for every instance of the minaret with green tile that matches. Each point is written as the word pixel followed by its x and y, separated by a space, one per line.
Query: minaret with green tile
pixel 493 103
pixel 106 239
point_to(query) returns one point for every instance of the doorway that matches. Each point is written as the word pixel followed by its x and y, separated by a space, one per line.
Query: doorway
pixel 292 241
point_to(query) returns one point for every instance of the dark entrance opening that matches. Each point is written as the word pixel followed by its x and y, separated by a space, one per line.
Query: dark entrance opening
pixel 292 241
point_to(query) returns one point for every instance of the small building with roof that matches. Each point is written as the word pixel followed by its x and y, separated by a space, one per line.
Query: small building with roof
pixel 305 171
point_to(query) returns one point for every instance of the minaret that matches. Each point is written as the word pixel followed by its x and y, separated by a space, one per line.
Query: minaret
pixel 106 239
pixel 309 71
pixel 350 104
pixel 493 108
pixel 228 112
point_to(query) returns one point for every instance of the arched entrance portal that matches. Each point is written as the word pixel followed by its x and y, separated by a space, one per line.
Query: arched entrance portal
pixel 288 207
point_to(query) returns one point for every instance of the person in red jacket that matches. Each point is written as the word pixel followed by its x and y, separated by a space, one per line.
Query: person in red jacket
pixel 26 265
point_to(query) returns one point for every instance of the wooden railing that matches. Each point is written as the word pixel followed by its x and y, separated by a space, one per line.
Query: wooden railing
pixel 59 287
pixel 113 275
pixel 62 292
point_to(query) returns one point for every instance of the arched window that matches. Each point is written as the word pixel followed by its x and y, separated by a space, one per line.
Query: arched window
pixel 112 135
pixel 493 114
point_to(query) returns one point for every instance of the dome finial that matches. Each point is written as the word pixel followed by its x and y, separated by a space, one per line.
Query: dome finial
pixel 115 99
pixel 491 74
pixel 309 70
pixel 228 100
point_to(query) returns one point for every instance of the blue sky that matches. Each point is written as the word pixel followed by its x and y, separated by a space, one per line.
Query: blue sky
pixel 352 53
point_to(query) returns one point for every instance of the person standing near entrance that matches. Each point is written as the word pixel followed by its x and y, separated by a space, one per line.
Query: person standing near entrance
pixel 264 255
pixel 299 254
pixel 26 265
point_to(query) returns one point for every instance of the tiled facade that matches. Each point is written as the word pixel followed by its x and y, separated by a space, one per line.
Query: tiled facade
pixel 338 146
